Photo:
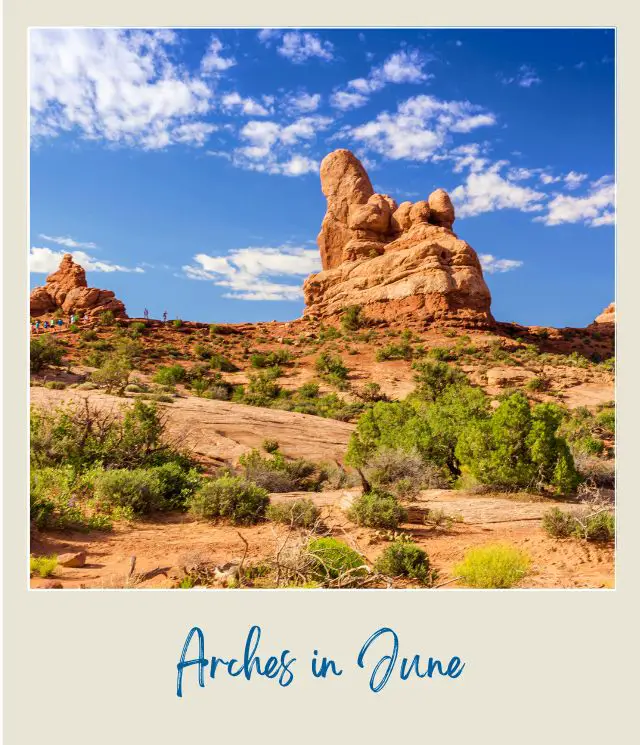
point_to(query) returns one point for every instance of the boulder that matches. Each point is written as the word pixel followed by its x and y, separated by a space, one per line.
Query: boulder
pixel 75 560
pixel 67 289
pixel 394 261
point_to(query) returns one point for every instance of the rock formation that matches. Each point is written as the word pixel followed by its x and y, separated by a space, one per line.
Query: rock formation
pixel 393 260
pixel 608 316
pixel 67 289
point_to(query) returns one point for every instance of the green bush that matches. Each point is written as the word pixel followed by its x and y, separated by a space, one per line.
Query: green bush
pixel 298 513
pixel 270 359
pixel 277 474
pixel 139 489
pixel 352 319
pixel 518 447
pixel 222 364
pixel 106 318
pixel 113 374
pixel 559 524
pixel 44 352
pixel 270 446
pixel 43 566
pixel 331 559
pixel 330 365
pixel 82 436
pixel 607 420
pixel 230 497
pixel 55 385
pixel 405 559
pixel 170 375
pixel 599 527
pixel 177 323
pixel 402 351
pixel 57 501
pixel 377 509
pixel 89 335
pixel 493 567
pixel 433 378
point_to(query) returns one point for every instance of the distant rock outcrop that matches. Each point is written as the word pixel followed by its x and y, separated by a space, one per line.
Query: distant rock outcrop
pixel 608 316
pixel 67 289
pixel 392 260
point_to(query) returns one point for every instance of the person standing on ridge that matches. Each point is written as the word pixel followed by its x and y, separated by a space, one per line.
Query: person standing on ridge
pixel 164 316
pixel 146 314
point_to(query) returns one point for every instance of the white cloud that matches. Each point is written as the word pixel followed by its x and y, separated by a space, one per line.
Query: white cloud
pixel 492 265
pixel 595 209
pixel 487 190
pixel 299 46
pixel 46 260
pixel 419 128
pixel 572 180
pixel 345 100
pixel 269 146
pixel 525 77
pixel 547 178
pixel 267 35
pixel 249 273
pixel 213 60
pixel 302 103
pixel 115 85
pixel 65 240
pixel 235 102
pixel 405 66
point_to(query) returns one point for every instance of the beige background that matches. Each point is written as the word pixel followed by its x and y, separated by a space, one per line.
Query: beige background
pixel 96 667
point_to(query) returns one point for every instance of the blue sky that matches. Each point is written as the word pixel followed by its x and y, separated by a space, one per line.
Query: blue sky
pixel 181 167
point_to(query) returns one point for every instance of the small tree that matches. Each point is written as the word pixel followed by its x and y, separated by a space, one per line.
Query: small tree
pixel 352 319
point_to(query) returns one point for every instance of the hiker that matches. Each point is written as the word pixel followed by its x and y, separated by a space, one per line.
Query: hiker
pixel 146 314
pixel 37 326
pixel 60 324
pixel 45 325
pixel 164 316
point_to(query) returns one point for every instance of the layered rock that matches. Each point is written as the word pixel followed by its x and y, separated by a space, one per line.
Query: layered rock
pixel 67 289
pixel 607 317
pixel 393 260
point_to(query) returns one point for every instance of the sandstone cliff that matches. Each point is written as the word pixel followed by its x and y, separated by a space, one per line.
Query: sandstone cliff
pixel 67 289
pixel 393 260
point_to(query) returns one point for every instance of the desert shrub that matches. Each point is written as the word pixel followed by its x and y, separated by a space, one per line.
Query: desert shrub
pixel 377 509
pixel 177 323
pixel 81 435
pixel 43 566
pixel 331 558
pixel 493 567
pixel 599 527
pixel 89 335
pixel 518 447
pixel 270 359
pixel 44 352
pixel 330 365
pixel 170 375
pixel 277 474
pixel 129 349
pixel 609 364
pixel 537 384
pixel 559 524
pixel 442 354
pixel 298 513
pixel 270 446
pixel 370 393
pixel 55 385
pixel 403 472
pixel 432 378
pixel 328 334
pixel 401 351
pixel 106 318
pixel 405 559
pixel 606 419
pixel 139 489
pixel 136 329
pixel 113 374
pixel 57 501
pixel 581 428
pixel 222 364
pixel 352 319
pixel 230 497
